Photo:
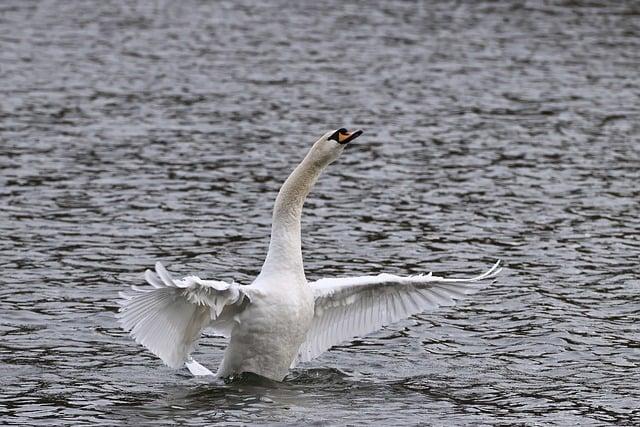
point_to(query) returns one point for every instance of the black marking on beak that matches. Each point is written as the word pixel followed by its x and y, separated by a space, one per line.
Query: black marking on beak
pixel 342 136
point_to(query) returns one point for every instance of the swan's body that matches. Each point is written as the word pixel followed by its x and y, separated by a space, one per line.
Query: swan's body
pixel 280 319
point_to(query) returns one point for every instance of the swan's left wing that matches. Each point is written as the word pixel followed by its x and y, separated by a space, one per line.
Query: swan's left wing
pixel 349 307
pixel 168 316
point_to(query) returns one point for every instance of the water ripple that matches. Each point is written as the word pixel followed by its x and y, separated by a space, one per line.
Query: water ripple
pixel 136 132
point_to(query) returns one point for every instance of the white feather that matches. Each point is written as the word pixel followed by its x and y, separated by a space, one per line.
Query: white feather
pixel 279 319
pixel 169 316
pixel 349 307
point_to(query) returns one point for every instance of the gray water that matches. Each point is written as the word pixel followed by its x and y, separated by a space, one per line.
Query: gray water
pixel 131 133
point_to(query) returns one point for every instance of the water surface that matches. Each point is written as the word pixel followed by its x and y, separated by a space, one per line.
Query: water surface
pixel 136 132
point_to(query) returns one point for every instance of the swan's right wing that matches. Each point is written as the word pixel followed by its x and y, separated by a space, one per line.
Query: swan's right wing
pixel 169 316
pixel 349 307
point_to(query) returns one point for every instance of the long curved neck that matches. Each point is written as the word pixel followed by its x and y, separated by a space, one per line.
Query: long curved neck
pixel 285 248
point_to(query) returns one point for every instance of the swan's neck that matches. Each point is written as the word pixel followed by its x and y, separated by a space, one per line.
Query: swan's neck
pixel 285 248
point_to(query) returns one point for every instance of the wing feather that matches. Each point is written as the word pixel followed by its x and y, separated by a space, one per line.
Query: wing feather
pixel 153 279
pixel 169 316
pixel 350 307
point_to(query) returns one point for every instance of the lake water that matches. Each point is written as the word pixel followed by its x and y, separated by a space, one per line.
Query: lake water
pixel 136 132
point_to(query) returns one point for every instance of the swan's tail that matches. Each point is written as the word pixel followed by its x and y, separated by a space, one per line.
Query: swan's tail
pixel 196 369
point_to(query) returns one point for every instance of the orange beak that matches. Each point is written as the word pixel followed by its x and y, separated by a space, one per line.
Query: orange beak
pixel 343 136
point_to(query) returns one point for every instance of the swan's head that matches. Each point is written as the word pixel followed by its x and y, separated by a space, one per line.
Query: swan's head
pixel 329 147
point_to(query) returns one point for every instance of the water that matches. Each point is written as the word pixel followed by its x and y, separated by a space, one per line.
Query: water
pixel 131 133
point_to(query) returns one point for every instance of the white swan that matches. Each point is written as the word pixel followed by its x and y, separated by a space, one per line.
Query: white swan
pixel 280 319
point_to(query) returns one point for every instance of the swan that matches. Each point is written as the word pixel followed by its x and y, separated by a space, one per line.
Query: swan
pixel 280 319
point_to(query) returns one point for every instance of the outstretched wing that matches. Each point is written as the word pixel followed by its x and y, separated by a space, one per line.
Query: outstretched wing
pixel 169 316
pixel 355 306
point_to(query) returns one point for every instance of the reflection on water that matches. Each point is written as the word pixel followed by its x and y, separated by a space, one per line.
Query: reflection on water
pixel 131 133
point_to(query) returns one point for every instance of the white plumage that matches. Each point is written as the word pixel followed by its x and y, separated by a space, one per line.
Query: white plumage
pixel 280 319
pixel 354 306
pixel 169 316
